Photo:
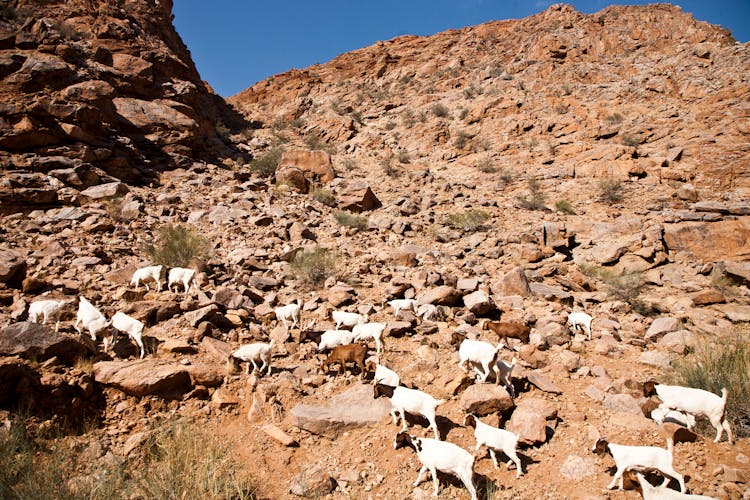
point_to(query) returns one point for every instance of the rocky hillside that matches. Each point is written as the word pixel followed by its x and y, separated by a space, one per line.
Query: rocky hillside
pixel 558 94
pixel 517 170
pixel 95 91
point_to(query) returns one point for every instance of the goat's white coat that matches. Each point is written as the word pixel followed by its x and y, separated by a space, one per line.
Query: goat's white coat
pixel 446 457
pixel 348 319
pixel 46 309
pixel 697 402
pixel 370 331
pixel 414 401
pixel 89 318
pixel 129 325
pixel 386 376
pixel 651 492
pixel 399 305
pixel 641 458
pixel 146 274
pixel 332 338
pixel 256 353
pixel 504 372
pixel 182 275
pixel 479 352
pixel 579 320
pixel 289 312
pixel 661 415
pixel 497 439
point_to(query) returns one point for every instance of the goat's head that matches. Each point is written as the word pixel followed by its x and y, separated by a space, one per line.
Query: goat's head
pixel 405 439
pixel 649 388
pixel 601 447
pixel 470 420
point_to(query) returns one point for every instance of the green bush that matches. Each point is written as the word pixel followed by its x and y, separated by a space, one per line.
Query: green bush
pixel 469 220
pixel 626 287
pixel 565 207
pixel 265 166
pixel 721 363
pixel 315 266
pixel 177 246
pixel 350 220
pixel 611 190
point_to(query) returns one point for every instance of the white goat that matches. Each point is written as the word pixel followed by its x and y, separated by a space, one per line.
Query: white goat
pixel 348 319
pixel 580 321
pixel 332 338
pixel 129 325
pixel 495 439
pixel 386 376
pixel 503 371
pixel 259 352
pixel 404 399
pixel 479 352
pixel 651 492
pixel 182 275
pixel 694 401
pixel 370 331
pixel 441 456
pixel 46 309
pixel 289 312
pixel 146 274
pixel 89 318
pixel 638 458
pixel 661 415
pixel 399 305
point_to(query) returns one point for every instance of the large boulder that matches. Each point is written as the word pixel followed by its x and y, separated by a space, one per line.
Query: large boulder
pixel 514 282
pixel 144 377
pixel 39 342
pixel 443 295
pixel 316 165
pixel 12 267
pixel 355 407
pixel 483 399
pixel 358 197
pixel 293 177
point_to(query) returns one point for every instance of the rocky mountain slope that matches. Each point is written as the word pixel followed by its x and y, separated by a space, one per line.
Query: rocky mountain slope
pixel 94 91
pixel 643 136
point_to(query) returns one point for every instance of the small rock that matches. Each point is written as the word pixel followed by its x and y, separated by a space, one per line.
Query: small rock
pixel 542 382
pixel 275 433
pixel 312 482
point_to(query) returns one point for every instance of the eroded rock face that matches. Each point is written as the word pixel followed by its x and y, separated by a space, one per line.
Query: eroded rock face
pixel 144 377
pixel 120 91
pixel 40 342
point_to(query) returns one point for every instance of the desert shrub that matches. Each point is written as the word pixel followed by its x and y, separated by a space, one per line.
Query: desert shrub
pixel 324 196
pixel 535 199
pixel 350 164
pixel 265 166
pixel 314 141
pixel 177 246
pixel 186 461
pixel 565 207
pixel 315 266
pixel 439 110
pixel 350 220
pixel 629 140
pixel 390 125
pixel 462 137
pixel 614 118
pixel 388 168
pixel 717 363
pixel 724 283
pixel 610 190
pixel 463 113
pixel 485 165
pixel 408 118
pixel 506 176
pixel 469 220
pixel 626 287
pixel 403 157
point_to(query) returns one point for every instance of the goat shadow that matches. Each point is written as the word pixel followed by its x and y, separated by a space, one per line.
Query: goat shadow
pixel 444 424
pixel 124 347
pixel 484 485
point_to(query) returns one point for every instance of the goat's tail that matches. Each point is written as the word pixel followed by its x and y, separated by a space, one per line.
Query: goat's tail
pixel 439 402
pixel 724 396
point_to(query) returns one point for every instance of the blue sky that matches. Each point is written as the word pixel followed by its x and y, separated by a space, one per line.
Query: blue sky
pixel 236 43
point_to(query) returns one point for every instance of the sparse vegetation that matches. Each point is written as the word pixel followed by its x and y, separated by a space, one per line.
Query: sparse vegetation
pixel 535 199
pixel 315 266
pixel 350 220
pixel 388 168
pixel 629 140
pixel 313 141
pixel 461 139
pixel 390 125
pixel 626 287
pixel 407 118
pixel 486 166
pixel 324 196
pixel 403 157
pixel 439 110
pixel 717 363
pixel 506 176
pixel 469 220
pixel 614 118
pixel 265 166
pixel 177 246
pixel 183 460
pixel 610 190
pixel 565 207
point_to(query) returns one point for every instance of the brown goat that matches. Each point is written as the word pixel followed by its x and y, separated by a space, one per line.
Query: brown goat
pixel 507 330
pixel 353 353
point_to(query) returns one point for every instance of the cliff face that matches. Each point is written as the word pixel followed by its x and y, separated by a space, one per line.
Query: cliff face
pixel 105 88
pixel 557 93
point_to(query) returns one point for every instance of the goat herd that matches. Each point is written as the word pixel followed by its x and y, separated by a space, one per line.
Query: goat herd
pixel 678 406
